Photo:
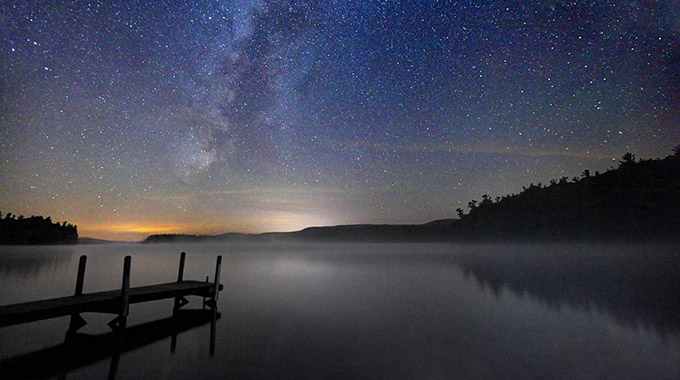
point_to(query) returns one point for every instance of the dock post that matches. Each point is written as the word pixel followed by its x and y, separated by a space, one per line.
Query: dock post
pixel 76 320
pixel 80 280
pixel 180 301
pixel 120 322
pixel 212 302
pixel 207 278
pixel 218 268
pixel 125 291
pixel 180 274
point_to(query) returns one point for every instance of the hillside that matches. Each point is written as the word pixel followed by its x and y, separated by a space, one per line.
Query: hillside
pixel 176 238
pixel 438 230
pixel 640 200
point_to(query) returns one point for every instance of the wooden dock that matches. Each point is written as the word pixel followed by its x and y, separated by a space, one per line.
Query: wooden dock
pixel 113 301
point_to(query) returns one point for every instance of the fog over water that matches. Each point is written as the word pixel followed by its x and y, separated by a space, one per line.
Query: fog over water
pixel 362 311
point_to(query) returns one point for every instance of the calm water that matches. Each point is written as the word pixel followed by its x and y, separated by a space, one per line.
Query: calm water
pixel 341 311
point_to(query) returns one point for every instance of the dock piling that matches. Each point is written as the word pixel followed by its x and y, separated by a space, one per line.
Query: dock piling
pixel 212 302
pixel 180 301
pixel 207 279
pixel 77 321
pixel 218 268
pixel 125 291
pixel 80 280
pixel 120 322
pixel 180 274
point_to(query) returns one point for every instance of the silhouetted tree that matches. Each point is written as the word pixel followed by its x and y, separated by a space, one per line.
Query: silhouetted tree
pixel 627 160
pixel 586 173
pixel 460 212
pixel 486 200
pixel 676 151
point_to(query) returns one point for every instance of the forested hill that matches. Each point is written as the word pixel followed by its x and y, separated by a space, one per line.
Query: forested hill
pixel 35 230
pixel 639 200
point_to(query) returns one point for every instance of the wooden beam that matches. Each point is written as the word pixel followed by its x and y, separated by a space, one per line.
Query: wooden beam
pixel 77 321
pixel 218 268
pixel 214 294
pixel 120 322
pixel 80 280
pixel 125 291
pixel 180 274
pixel 180 301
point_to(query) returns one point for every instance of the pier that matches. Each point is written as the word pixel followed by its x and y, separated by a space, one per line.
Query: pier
pixel 116 301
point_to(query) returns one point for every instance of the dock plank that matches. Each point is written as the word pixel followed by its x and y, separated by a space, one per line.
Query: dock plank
pixel 105 301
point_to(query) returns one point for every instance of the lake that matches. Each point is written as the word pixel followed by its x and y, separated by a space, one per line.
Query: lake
pixel 413 311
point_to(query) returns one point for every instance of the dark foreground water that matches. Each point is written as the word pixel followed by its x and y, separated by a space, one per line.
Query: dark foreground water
pixel 359 311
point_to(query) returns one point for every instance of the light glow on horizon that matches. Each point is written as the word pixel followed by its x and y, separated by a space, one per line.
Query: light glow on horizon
pixel 276 221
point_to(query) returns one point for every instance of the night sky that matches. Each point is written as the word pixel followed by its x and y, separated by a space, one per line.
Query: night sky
pixel 249 116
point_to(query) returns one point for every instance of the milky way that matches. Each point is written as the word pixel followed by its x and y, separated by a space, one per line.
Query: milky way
pixel 207 117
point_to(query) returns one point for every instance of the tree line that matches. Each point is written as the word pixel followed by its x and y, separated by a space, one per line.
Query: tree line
pixel 35 230
pixel 640 199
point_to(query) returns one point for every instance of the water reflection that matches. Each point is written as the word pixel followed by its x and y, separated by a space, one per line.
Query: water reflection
pixel 81 350
pixel 635 285
pixel 28 261
pixel 373 311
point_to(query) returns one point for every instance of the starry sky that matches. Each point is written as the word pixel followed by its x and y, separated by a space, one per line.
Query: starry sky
pixel 129 118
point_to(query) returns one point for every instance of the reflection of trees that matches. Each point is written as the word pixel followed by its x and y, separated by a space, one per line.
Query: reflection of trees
pixel 30 263
pixel 36 230
pixel 633 287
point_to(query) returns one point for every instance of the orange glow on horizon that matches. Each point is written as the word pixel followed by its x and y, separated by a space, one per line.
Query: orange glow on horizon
pixel 137 231
pixel 126 231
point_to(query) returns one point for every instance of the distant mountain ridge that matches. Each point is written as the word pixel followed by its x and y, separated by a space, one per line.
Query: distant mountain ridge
pixel 438 230
pixel 90 241
pixel 639 200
